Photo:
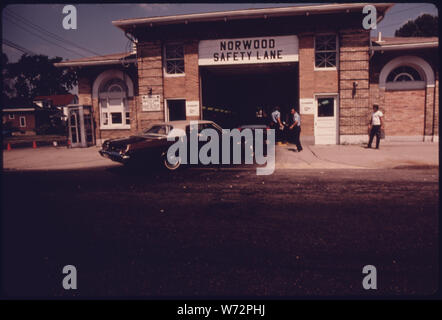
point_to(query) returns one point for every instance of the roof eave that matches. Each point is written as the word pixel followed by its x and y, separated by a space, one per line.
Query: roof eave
pixel 405 46
pixel 245 14
pixel 18 109
pixel 93 63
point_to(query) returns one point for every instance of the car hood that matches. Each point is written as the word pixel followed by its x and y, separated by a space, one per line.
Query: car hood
pixel 123 142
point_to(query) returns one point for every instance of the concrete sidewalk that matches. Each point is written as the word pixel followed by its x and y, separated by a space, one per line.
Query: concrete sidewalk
pixel 390 155
pixel 54 158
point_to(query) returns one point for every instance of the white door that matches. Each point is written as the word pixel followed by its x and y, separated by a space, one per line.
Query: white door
pixel 326 120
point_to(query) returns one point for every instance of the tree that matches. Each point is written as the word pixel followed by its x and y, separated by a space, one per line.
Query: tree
pixel 33 76
pixel 6 82
pixel 425 25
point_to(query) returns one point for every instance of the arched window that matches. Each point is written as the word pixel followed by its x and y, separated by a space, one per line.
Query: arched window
pixel 404 73
pixel 114 109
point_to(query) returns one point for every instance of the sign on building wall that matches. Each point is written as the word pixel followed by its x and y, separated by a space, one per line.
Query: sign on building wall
pixel 248 50
pixel 306 106
pixel 150 103
pixel 192 108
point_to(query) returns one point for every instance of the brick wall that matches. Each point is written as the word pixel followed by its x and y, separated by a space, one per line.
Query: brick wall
pixel 353 67
pixel 192 82
pixel 307 122
pixel 150 75
pixel 404 113
pixel 428 111
pixel 436 109
pixel 312 81
pixel 112 134
pixel 85 90
pixel 15 123
pixel 185 86
pixel 397 105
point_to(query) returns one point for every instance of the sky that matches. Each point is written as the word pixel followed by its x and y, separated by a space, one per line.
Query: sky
pixel 38 27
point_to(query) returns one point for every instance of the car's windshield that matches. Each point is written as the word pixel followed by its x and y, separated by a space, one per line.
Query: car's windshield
pixel 161 130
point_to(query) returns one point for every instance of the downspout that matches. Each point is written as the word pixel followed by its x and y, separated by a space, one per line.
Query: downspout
pixel 371 44
pixel 425 114
pixel 434 110
pixel 131 39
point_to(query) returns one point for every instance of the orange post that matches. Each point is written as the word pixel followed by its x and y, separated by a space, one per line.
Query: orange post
pixel 34 145
pixel 9 147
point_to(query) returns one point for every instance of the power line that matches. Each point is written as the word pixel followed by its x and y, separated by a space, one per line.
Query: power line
pixel 17 47
pixel 396 12
pixel 41 37
pixel 48 33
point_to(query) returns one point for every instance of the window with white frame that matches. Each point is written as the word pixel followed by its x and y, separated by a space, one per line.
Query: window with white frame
pixel 22 121
pixel 11 116
pixel 404 73
pixel 114 109
pixel 326 51
pixel 404 78
pixel 174 58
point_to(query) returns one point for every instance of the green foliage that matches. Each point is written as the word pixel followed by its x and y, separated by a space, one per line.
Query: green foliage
pixel 425 25
pixel 33 76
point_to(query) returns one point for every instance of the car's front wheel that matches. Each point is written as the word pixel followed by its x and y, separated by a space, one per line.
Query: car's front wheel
pixel 171 166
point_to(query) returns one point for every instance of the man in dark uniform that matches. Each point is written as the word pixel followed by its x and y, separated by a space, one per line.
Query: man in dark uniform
pixel 277 124
pixel 295 128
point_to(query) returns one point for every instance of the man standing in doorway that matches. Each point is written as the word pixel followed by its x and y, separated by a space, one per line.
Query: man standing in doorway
pixel 277 124
pixel 295 128
pixel 376 123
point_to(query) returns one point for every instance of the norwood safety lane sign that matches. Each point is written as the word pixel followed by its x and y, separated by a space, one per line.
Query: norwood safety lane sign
pixel 248 50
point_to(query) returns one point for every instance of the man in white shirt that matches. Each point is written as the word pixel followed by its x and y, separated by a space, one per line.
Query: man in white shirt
pixel 375 126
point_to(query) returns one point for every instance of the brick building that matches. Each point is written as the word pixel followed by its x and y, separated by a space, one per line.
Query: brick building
pixel 404 81
pixel 231 66
pixel 19 121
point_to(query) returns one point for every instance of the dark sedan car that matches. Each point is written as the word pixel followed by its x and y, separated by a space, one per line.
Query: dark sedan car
pixel 151 145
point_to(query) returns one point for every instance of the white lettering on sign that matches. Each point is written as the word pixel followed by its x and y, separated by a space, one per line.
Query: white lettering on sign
pixel 248 50
pixel 306 106
pixel 192 108
pixel 150 103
